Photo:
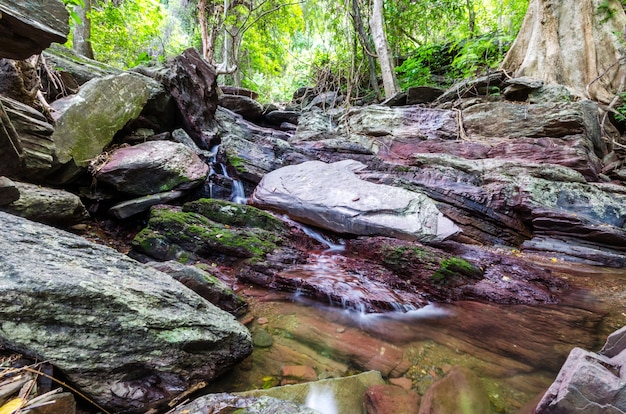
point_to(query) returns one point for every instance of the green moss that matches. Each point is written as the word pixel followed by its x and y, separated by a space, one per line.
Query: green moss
pixel 405 256
pixel 455 267
pixel 235 214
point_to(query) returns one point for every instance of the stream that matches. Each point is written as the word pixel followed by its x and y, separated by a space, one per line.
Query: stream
pixel 516 350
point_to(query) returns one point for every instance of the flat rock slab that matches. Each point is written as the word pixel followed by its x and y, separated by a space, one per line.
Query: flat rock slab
pixel 124 334
pixel 333 197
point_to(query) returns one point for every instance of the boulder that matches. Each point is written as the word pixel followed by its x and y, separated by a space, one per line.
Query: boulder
pixel 127 336
pixel 333 197
pixel 422 94
pixel 587 383
pixel 27 28
pixel 253 150
pixel 47 205
pixel 191 81
pixel 80 68
pixel 152 167
pixel 460 391
pixel 8 191
pixel 245 106
pixel 86 122
pixel 29 134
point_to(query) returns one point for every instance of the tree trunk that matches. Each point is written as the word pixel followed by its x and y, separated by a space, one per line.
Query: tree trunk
pixel 366 45
pixel 81 42
pixel 377 24
pixel 571 42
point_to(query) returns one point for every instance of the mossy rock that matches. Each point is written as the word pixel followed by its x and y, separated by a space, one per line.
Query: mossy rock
pixel 233 214
pixel 169 230
pixel 454 268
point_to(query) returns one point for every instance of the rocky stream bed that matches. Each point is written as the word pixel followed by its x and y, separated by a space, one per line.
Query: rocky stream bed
pixel 171 245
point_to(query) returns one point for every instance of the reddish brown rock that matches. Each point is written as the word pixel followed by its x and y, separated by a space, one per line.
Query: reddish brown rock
pixel 458 392
pixel 295 374
pixel 390 399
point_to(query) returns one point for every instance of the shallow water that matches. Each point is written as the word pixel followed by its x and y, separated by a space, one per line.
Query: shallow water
pixel 516 350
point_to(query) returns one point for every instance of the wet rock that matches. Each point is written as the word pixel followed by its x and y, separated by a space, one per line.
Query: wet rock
pixel 125 335
pixel 333 197
pixel 391 399
pixel 204 284
pixel 47 205
pixel 27 28
pixel 152 167
pixel 296 374
pixel 191 81
pixel 172 234
pixel 235 403
pixel 86 122
pixel 252 150
pixel 245 106
pixel 345 395
pixel 261 338
pixel 460 391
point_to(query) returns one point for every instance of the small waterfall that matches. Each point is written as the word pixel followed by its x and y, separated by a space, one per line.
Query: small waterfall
pixel 322 399
pixel 323 239
pixel 237 194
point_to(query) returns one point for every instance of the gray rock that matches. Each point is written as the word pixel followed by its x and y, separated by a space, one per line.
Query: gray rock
pixel 47 205
pixel 228 403
pixel 422 94
pixel 252 150
pixel 86 122
pixel 125 335
pixel 345 395
pixel 278 117
pixel 129 208
pixel 333 197
pixel 152 167
pixel 33 134
pixel 587 383
pixel 8 191
pixel 205 285
pixel 245 106
pixel 79 67
pixel 27 28
pixel 615 343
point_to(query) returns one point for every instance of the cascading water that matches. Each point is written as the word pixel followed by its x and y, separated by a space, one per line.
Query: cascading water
pixel 322 399
pixel 237 193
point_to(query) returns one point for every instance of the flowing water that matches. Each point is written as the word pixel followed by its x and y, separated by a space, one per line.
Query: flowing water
pixel 516 350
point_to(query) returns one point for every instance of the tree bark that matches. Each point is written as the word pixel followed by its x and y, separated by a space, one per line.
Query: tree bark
pixel 572 43
pixel 81 42
pixel 366 45
pixel 390 83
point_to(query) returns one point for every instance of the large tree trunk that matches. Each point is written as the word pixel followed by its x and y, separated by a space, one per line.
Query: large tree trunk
pixel 571 42
pixel 81 41
pixel 377 24
pixel 365 45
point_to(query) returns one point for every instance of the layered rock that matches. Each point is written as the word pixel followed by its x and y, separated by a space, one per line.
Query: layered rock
pixel 589 382
pixel 27 28
pixel 126 335
pixel 333 197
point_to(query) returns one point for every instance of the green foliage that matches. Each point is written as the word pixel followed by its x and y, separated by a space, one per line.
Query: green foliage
pixel 70 4
pixel 129 34
pixel 423 63
pixel 480 53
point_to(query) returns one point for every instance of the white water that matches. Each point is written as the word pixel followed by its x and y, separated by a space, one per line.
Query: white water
pixel 322 399
pixel 314 234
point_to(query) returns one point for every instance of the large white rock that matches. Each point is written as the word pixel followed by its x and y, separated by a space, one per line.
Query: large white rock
pixel 333 197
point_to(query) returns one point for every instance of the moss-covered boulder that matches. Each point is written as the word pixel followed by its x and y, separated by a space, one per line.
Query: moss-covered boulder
pixel 86 122
pixel 238 215
pixel 174 234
